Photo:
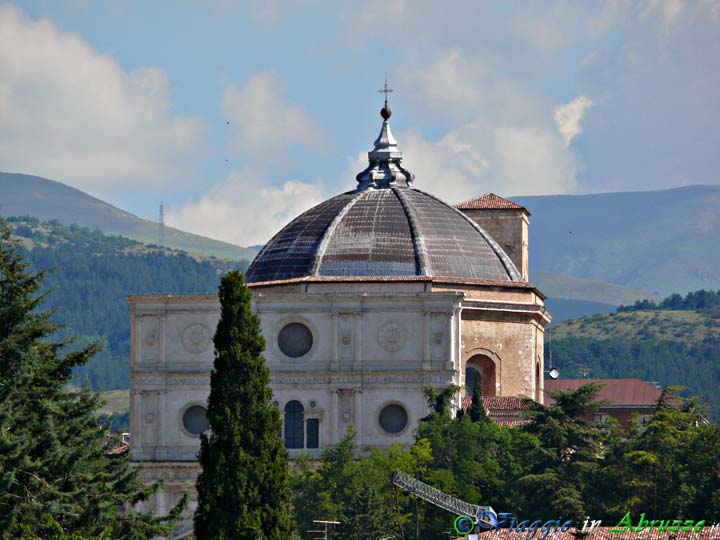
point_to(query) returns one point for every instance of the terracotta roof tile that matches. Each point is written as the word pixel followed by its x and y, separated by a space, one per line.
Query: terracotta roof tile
pixel 119 450
pixel 616 391
pixel 505 403
pixel 392 279
pixel 501 410
pixel 489 201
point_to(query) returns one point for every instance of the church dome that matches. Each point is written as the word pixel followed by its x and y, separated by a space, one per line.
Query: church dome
pixel 383 228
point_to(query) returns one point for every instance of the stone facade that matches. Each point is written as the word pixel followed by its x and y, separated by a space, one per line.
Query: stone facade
pixel 364 301
pixel 374 344
pixel 509 228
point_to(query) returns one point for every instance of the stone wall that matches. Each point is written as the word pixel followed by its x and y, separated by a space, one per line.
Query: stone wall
pixel 509 228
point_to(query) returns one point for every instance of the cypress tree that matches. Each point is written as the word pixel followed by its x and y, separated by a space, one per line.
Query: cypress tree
pixel 243 490
pixel 55 479
pixel 477 409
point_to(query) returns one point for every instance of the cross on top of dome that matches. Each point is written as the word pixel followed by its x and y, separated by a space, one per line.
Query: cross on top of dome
pixel 385 112
pixel 385 169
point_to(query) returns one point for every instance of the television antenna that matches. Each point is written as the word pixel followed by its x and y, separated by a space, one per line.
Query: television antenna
pixel 324 531
pixel 161 225
pixel 584 370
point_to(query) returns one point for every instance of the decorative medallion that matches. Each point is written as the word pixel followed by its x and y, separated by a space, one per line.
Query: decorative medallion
pixel 151 338
pixel 392 336
pixel 196 338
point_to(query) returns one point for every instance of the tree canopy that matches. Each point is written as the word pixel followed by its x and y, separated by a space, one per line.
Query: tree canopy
pixel 243 490
pixel 55 479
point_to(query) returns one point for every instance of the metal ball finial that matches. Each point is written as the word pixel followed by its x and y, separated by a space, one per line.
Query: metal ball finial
pixel 385 112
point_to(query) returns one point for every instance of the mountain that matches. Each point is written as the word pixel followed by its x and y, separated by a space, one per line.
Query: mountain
pixel 659 242
pixel 92 275
pixel 570 298
pixel 26 195
pixel 673 342
pixel 588 253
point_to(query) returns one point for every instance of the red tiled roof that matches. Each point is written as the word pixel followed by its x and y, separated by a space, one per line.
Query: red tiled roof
pixel 616 391
pixel 504 403
pixel 119 450
pixel 394 279
pixel 501 410
pixel 515 422
pixel 489 201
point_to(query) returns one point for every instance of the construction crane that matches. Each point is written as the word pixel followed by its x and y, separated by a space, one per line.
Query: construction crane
pixel 484 514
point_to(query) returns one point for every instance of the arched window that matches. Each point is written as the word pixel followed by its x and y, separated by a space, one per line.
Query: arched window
pixel 294 425
pixel 481 370
pixel 472 380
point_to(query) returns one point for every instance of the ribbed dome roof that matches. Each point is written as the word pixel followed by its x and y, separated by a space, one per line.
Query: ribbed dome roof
pixel 384 228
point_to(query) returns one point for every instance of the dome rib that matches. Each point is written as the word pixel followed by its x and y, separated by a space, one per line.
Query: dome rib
pixel 512 272
pixel 421 258
pixel 291 252
pixel 327 236
pixel 384 229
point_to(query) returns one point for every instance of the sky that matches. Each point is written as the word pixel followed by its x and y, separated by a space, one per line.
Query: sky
pixel 238 116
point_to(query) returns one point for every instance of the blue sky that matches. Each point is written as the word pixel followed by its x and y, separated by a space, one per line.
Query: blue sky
pixel 240 115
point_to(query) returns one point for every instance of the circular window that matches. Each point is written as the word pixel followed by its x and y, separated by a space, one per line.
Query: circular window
pixel 195 420
pixel 295 340
pixel 393 419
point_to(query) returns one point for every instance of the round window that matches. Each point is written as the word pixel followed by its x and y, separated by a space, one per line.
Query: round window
pixel 295 340
pixel 195 420
pixel 393 419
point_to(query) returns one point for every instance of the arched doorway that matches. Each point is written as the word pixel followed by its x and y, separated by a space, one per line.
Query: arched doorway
pixel 480 370
pixel 294 425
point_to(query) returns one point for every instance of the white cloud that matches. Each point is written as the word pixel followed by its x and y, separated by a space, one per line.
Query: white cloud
pixel 568 117
pixel 475 158
pixel 667 10
pixel 263 123
pixel 244 210
pixel 69 112
pixel 498 139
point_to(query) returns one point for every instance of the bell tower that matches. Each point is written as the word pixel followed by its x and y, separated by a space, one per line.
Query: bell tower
pixel 507 222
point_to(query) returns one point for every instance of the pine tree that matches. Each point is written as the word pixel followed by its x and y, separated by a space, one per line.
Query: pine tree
pixel 243 490
pixel 55 479
pixel 369 517
pixel 569 455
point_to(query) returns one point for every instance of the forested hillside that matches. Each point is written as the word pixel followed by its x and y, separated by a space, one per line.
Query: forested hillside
pixel 673 342
pixel 92 275
pixel 24 194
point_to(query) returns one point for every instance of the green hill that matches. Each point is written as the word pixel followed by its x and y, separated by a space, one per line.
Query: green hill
pixel 659 242
pixel 674 342
pixel 26 195
pixel 92 275
pixel 685 326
